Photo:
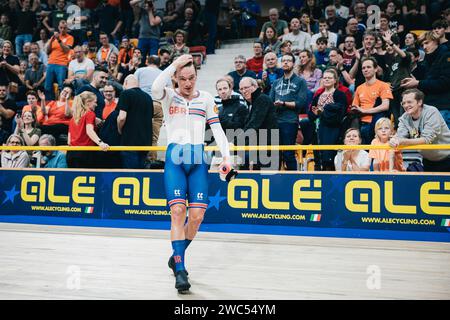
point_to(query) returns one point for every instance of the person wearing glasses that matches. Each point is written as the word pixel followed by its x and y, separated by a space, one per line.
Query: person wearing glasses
pixel 15 158
pixel 240 71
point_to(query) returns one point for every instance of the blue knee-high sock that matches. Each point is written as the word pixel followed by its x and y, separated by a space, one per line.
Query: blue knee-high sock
pixel 179 248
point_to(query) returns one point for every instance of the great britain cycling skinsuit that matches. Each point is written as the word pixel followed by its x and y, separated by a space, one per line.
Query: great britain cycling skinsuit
pixel 186 170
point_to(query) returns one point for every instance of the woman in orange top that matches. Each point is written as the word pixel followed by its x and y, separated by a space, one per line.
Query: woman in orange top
pixel 385 160
pixel 57 114
pixel 32 106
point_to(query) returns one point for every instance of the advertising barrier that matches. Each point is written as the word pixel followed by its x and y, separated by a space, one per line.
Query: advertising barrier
pixel 389 204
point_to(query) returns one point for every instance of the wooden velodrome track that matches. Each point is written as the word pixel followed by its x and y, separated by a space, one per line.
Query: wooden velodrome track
pixel 61 262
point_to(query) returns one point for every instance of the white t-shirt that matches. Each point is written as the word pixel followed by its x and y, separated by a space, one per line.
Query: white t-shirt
pixel 81 68
pixel 300 41
pixel 332 39
pixel 362 160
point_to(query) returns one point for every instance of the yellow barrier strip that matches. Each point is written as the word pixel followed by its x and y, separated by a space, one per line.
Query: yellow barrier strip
pixel 235 148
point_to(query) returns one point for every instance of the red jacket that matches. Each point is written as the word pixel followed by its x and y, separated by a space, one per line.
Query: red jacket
pixel 255 64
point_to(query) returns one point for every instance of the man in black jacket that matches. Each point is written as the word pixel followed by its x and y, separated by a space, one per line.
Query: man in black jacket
pixel 436 84
pixel 259 123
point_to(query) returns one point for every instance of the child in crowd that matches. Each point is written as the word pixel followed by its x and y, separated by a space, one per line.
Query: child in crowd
pixel 385 160
pixel 322 53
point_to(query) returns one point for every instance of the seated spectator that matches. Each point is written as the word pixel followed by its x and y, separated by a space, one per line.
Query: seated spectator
pixel 336 24
pixel 32 106
pixel 411 41
pixel 6 32
pixel 164 57
pixel 23 66
pixel 423 124
pixel 3 134
pixel 105 50
pixel 81 69
pixel 352 30
pixel 82 132
pixel 271 73
pixel 43 40
pixel 57 114
pixel 51 159
pixel 42 56
pixel 352 160
pixel 8 109
pixel 332 38
pixel 15 158
pixel 26 128
pixel 26 50
pixel 439 27
pixel 371 100
pixel 415 15
pixel 126 51
pixel 300 40
pixel 170 17
pixel 255 63
pixel 195 36
pixel 306 25
pixel 113 69
pixel 270 41
pixel 286 47
pixel 135 63
pixel 308 71
pixel 385 160
pixel 57 49
pixel 341 10
pixel 288 94
pixel 436 85
pixel 321 54
pixel 330 107
pixel 9 68
pixel 278 24
pixel 110 100
pixel 290 9
pixel 179 46
pixel 396 21
pixel 218 100
pixel 233 112
pixel 360 14
pixel 240 71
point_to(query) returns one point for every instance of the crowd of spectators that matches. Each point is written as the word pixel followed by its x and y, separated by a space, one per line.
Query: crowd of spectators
pixel 73 71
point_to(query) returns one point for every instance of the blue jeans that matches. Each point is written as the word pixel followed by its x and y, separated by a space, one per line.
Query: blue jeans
pixel 446 115
pixel 148 46
pixel 54 72
pixel 21 39
pixel 133 159
pixel 212 33
pixel 288 136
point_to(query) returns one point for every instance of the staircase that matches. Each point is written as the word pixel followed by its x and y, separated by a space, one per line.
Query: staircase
pixel 215 66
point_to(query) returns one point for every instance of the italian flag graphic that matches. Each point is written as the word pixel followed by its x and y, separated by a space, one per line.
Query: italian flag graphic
pixel 445 223
pixel 315 217
pixel 89 210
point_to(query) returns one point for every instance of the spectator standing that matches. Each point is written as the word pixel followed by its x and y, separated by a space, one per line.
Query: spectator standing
pixel 332 38
pixel 212 12
pixel 336 24
pixel 57 49
pixel 439 27
pixel 82 132
pixel 43 40
pixel 261 119
pixel 366 103
pixel 26 22
pixel 134 122
pixel 51 22
pixel 98 82
pixel 6 31
pixel 15 158
pixel 109 20
pixel 150 27
pixel 240 71
pixel 42 56
pixel 288 94
pixel 145 77
pixel 110 100
pixel 79 20
pixel 423 124
pixel 250 12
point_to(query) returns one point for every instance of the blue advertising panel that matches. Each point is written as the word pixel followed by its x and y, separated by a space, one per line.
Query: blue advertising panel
pixel 398 202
